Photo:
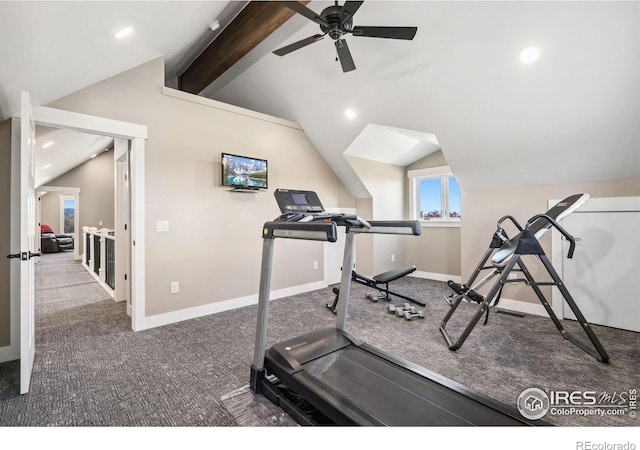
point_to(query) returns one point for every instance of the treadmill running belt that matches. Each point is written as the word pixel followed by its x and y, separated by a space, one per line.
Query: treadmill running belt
pixel 397 396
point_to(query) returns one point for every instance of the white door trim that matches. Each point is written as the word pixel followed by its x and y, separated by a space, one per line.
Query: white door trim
pixel 137 134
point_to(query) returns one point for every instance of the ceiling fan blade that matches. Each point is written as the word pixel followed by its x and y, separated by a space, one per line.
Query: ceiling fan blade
pixel 348 10
pixel 345 56
pixel 386 32
pixel 303 10
pixel 297 45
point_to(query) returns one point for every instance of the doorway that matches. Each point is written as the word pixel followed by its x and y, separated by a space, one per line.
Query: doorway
pixel 129 157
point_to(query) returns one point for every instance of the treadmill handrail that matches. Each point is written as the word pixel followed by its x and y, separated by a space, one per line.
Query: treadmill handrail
pixel 411 227
pixel 312 231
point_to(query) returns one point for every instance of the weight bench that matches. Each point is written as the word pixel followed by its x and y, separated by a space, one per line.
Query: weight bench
pixel 379 282
pixel 505 256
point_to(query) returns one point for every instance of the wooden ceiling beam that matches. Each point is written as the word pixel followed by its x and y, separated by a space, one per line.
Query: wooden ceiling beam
pixel 251 26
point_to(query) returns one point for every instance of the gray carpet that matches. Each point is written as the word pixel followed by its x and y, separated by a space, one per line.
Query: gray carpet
pixel 92 370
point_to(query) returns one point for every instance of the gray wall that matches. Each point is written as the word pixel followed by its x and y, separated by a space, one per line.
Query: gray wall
pixel 437 249
pixel 483 207
pixel 214 243
pixel 5 231
pixel 95 178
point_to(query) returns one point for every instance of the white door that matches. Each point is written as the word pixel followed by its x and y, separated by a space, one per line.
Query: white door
pixel 27 242
pixel 603 274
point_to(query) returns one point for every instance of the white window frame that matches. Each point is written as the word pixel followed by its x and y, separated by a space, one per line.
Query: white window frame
pixel 415 176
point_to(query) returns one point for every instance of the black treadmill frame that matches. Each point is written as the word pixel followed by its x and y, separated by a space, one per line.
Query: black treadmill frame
pixel 317 393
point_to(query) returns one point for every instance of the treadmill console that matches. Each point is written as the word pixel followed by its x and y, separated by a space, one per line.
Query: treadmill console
pixel 291 201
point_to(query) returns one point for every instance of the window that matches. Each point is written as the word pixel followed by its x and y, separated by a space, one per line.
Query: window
pixel 67 214
pixel 435 197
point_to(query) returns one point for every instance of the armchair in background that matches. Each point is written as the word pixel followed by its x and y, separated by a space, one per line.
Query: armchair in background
pixel 53 243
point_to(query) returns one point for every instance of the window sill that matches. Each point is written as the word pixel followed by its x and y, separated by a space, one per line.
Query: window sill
pixel 440 223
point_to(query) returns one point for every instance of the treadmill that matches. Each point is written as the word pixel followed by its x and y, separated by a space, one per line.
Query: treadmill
pixel 327 376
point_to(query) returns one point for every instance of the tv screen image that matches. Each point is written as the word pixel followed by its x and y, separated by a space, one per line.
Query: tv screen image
pixel 244 172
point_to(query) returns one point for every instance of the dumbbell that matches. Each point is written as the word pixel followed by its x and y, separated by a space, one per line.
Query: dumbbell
pixel 400 310
pixel 413 316
pixel 375 297
pixel 391 309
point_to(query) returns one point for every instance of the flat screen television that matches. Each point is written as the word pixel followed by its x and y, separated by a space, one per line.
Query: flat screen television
pixel 244 172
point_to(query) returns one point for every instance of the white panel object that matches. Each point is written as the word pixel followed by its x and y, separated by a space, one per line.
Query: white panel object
pixel 27 212
pixel 604 274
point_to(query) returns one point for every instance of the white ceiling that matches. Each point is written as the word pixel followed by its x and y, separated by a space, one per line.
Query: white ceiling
pixel 58 151
pixel 53 49
pixel 392 145
pixel 571 116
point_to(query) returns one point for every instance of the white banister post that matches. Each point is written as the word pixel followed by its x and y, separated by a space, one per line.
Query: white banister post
pixel 85 231
pixel 103 254
pixel 92 236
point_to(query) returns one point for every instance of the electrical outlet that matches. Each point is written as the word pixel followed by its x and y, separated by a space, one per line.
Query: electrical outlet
pixel 315 265
pixel 162 226
pixel 393 258
pixel 175 287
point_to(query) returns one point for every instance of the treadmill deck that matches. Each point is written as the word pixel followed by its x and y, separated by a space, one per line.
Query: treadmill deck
pixel 373 388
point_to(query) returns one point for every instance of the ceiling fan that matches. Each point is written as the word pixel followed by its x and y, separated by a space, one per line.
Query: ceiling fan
pixel 337 21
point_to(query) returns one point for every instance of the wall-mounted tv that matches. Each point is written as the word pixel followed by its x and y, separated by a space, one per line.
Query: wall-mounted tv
pixel 244 172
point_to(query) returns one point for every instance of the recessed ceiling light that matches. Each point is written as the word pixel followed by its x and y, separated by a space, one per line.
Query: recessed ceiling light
pixel 529 55
pixel 47 145
pixel 123 33
pixel 214 26
pixel 94 155
pixel 350 113
pixel 45 167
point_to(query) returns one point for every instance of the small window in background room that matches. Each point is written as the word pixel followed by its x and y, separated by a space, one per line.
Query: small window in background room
pixel 435 197
pixel 67 214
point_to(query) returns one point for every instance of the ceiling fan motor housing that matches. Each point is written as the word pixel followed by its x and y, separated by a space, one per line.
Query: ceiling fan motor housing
pixel 331 15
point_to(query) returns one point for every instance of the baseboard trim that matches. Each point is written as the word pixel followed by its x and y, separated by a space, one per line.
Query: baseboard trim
pixel 523 307
pixel 226 305
pixel 9 353
pixel 435 276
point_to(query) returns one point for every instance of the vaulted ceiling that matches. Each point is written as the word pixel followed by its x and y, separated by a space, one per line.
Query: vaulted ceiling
pixel 573 115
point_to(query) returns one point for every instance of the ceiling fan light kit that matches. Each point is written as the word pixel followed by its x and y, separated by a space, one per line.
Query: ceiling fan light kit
pixel 337 21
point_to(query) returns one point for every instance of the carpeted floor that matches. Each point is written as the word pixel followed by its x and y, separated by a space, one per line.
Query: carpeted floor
pixel 92 370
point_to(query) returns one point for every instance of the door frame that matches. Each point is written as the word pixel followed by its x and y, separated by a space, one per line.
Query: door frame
pixel 136 134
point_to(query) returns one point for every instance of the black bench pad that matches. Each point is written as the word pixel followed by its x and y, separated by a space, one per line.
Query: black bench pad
pixel 391 275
